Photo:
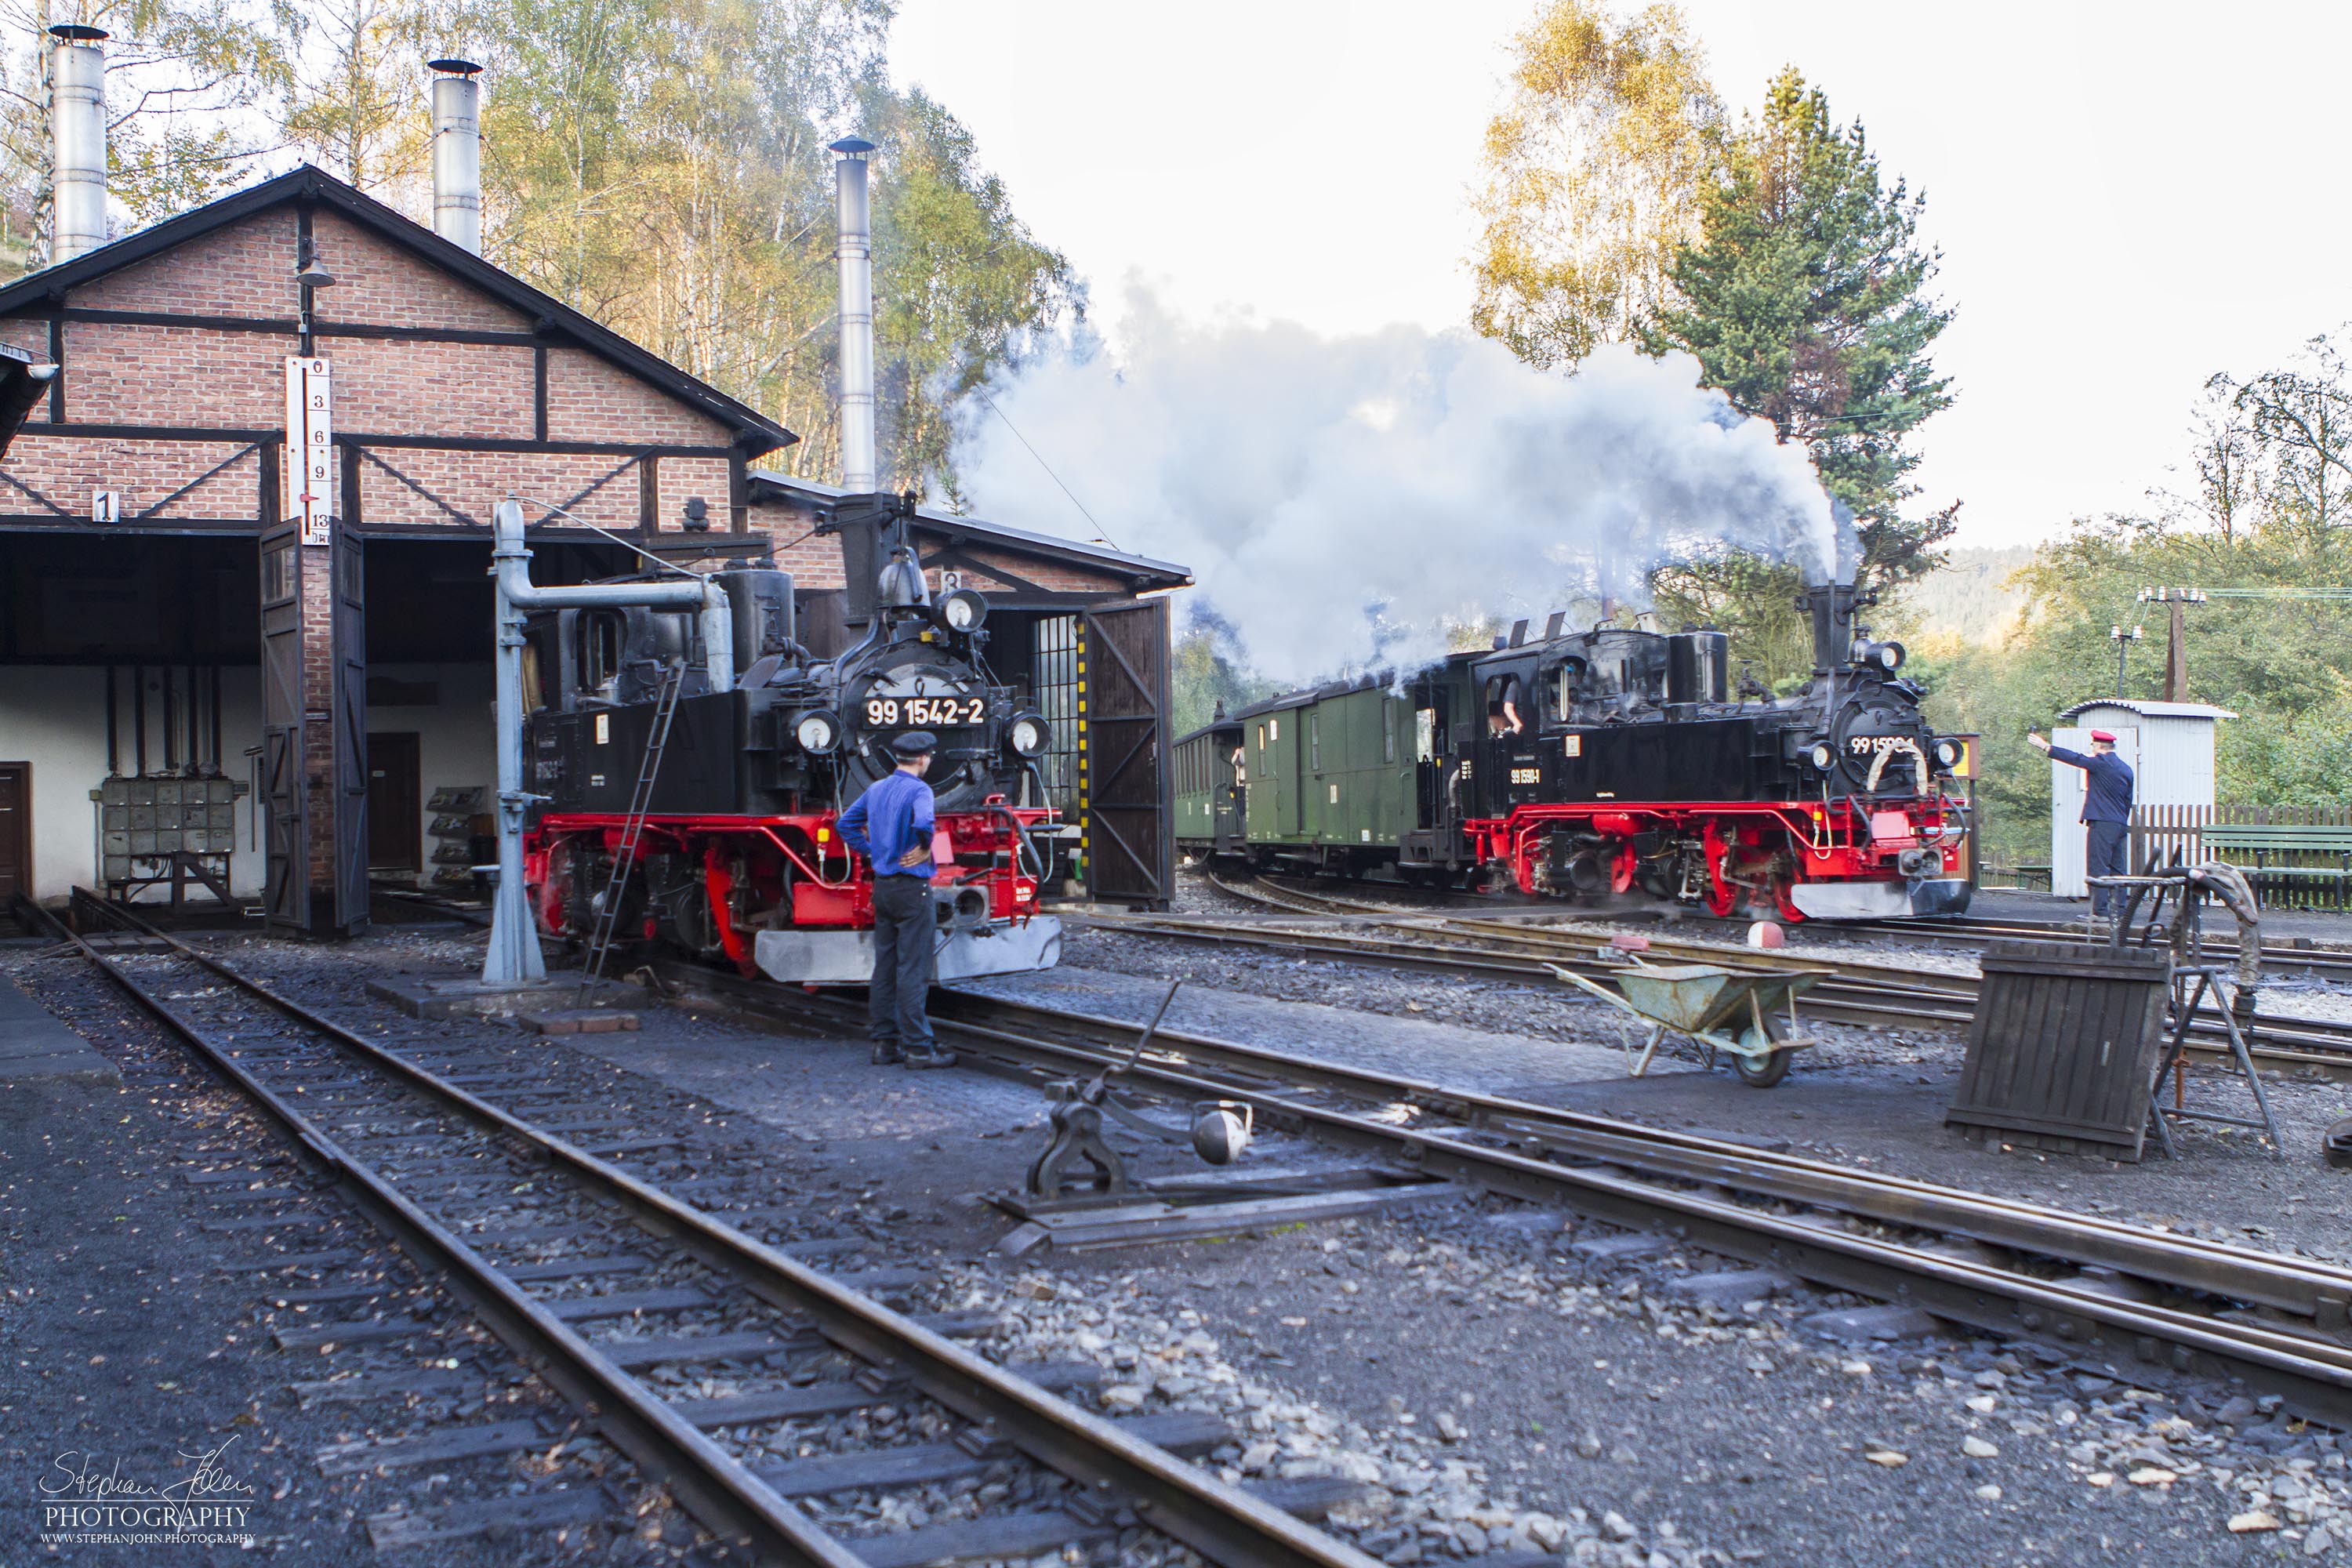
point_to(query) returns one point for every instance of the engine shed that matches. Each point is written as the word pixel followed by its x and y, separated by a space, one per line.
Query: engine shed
pixel 244 538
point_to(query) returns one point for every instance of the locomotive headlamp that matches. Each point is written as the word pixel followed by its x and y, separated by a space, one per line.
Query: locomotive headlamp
pixel 1822 756
pixel 963 610
pixel 1029 734
pixel 1947 753
pixel 817 733
pixel 1887 654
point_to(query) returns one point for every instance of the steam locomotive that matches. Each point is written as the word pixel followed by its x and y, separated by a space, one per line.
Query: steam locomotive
pixel 737 857
pixel 1590 764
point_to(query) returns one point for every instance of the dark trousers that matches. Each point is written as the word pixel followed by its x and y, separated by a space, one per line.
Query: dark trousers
pixel 2106 847
pixel 905 937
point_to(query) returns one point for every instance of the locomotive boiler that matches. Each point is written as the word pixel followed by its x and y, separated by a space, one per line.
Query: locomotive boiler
pixel 730 788
pixel 1592 764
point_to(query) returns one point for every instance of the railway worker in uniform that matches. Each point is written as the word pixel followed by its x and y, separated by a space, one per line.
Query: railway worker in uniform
pixel 1507 696
pixel 2106 808
pixel 891 825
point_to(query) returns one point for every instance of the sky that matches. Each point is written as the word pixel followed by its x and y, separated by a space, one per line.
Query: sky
pixel 2127 197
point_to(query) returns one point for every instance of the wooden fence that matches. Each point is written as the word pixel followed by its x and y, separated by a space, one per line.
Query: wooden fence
pixel 2157 831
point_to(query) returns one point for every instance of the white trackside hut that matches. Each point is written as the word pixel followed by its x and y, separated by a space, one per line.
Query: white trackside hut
pixel 2170 749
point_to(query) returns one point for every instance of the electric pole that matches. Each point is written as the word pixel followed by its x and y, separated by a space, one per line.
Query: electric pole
pixel 2123 641
pixel 2175 647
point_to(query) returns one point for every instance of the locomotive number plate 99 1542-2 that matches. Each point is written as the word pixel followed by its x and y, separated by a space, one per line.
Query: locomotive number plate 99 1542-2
pixel 924 713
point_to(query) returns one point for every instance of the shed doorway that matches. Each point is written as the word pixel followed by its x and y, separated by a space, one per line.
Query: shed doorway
pixel 396 805
pixel 16 831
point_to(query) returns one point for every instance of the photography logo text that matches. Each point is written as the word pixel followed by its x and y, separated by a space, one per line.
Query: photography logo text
pixel 87 1498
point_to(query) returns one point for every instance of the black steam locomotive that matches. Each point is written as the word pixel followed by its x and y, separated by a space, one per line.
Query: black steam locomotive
pixel 1591 764
pixel 739 857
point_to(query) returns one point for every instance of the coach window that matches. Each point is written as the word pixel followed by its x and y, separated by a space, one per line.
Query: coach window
pixel 1315 741
pixel 1387 729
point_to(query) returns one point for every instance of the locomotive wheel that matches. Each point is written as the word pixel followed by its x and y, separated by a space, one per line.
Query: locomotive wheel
pixel 1772 1068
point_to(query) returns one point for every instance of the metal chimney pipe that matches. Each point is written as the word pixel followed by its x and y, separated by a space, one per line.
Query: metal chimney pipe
pixel 859 473
pixel 77 126
pixel 458 153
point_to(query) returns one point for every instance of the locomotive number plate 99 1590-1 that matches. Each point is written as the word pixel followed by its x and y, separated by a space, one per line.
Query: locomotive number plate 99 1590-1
pixel 924 713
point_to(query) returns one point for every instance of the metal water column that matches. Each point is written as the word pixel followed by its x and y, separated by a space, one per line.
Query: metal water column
pixel 514 957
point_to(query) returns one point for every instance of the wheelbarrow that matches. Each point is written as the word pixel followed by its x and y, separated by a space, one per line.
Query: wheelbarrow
pixel 1738 1012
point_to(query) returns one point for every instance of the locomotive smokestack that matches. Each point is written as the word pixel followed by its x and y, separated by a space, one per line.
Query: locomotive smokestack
pixel 1832 608
pixel 857 254
pixel 458 153
pixel 78 128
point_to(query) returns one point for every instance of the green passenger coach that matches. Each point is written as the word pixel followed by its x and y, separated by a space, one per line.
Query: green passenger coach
pixel 1322 778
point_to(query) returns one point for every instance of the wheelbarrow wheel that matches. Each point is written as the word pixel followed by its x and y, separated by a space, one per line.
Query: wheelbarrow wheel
pixel 1770 1069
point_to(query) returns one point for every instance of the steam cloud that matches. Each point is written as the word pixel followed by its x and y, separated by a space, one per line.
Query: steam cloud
pixel 1341 499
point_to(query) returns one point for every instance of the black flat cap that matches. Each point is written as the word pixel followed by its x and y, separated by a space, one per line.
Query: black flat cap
pixel 915 743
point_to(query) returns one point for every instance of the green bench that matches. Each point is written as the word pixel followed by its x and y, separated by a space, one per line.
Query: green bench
pixel 2237 842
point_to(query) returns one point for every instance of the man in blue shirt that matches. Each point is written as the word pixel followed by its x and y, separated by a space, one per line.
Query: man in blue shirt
pixel 891 825
pixel 2106 809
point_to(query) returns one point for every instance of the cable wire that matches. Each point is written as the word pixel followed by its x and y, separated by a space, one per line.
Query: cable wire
pixel 1102 535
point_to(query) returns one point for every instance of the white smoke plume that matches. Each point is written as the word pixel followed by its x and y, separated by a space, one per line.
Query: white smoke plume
pixel 1341 499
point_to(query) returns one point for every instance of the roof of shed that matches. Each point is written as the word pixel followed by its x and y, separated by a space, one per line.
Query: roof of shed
pixel 555 320
pixel 2147 709
pixel 1144 570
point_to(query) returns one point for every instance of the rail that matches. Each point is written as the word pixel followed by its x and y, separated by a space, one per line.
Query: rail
pixel 1223 1522
pixel 1865 992
pixel 1646 1178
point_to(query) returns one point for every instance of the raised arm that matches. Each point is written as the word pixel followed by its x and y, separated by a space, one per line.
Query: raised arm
pixel 2058 753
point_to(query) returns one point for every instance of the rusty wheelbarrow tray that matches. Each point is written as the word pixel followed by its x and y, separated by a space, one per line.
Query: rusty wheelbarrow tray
pixel 1738 1012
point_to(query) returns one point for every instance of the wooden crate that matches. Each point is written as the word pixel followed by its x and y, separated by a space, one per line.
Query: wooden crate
pixel 2063 1047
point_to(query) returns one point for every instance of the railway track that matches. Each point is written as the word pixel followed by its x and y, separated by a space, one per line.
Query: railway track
pixel 594 1275
pixel 2091 1285
pixel 1867 993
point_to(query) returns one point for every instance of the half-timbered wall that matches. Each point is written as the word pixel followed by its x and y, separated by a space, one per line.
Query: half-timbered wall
pixel 172 394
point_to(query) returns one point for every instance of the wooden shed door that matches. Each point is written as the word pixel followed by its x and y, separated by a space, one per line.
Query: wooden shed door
pixel 286 878
pixel 16 831
pixel 348 562
pixel 1131 814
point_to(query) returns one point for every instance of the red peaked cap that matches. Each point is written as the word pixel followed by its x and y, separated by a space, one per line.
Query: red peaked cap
pixel 2105 737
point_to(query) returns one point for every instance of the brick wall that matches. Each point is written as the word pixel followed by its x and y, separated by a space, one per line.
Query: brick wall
pixel 384 284
pixel 224 377
pixel 394 388
pixel 243 269
pixel 589 399
pixel 68 469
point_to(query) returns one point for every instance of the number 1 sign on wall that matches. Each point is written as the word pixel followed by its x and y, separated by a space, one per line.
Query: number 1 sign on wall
pixel 309 447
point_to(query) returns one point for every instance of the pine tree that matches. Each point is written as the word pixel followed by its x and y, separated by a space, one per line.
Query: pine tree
pixel 1805 303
